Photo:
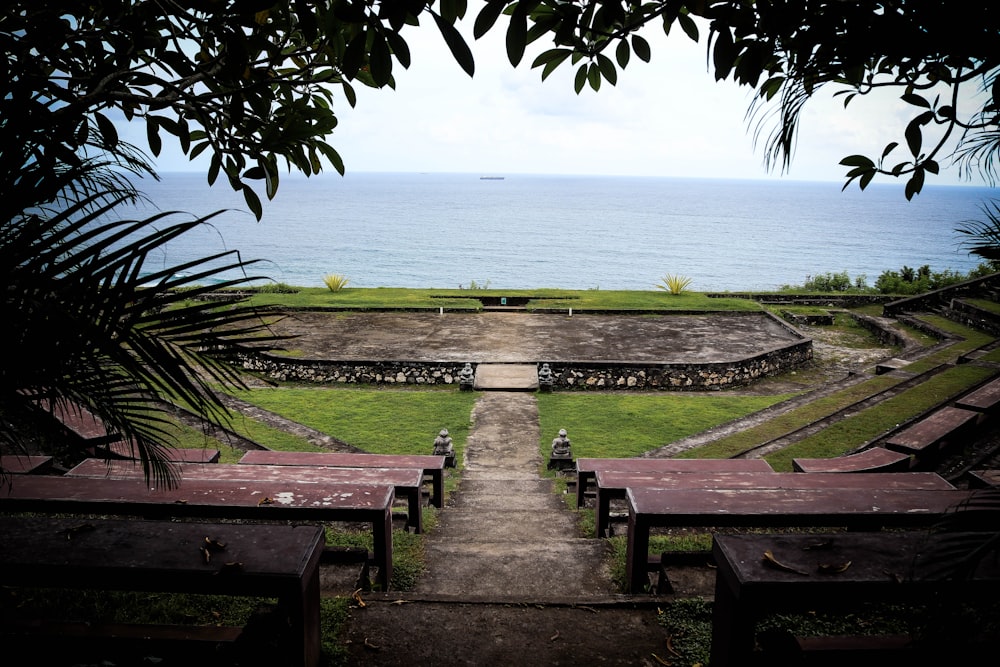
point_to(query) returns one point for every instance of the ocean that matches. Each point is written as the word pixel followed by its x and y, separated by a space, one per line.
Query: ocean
pixel 571 232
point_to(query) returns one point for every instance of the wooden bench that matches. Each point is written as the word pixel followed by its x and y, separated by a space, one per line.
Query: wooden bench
pixel 985 399
pixel 226 499
pixel 433 466
pixel 873 459
pixel 930 433
pixel 858 509
pixel 15 464
pixel 405 482
pixel 586 469
pixel 121 450
pixel 612 485
pixel 984 479
pixel 264 561
pixel 79 424
pixel 880 564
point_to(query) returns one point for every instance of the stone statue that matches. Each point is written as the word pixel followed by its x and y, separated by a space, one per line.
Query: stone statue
pixel 561 446
pixel 545 377
pixel 443 446
pixel 466 377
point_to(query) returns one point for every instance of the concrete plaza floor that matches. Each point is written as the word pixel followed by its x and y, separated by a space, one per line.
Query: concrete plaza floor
pixel 517 337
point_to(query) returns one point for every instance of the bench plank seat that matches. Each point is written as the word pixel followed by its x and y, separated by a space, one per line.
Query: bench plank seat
pixel 612 485
pixel 873 459
pixel 80 424
pixel 213 499
pixel 433 466
pixel 121 450
pixel 985 399
pixel 586 469
pixel 14 464
pixel 928 434
pixel 275 561
pixel 865 509
pixel 406 482
pixel 747 589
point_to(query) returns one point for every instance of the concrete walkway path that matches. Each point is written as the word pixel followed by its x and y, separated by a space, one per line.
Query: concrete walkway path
pixel 505 536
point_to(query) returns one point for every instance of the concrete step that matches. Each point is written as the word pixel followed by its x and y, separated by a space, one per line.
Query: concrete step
pixel 506 377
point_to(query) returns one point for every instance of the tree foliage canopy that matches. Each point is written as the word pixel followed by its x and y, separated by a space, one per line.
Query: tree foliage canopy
pixel 931 51
pixel 250 83
pixel 254 83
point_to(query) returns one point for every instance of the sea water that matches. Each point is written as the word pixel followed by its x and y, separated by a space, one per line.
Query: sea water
pixel 571 232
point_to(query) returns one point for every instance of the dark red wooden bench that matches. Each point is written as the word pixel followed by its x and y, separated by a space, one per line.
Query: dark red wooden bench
pixel 121 450
pixel 928 435
pixel 15 464
pixel 268 561
pixel 226 499
pixel 881 570
pixel 873 459
pixel 79 424
pixel 405 481
pixel 985 399
pixel 984 479
pixel 433 466
pixel 612 485
pixel 859 509
pixel 586 469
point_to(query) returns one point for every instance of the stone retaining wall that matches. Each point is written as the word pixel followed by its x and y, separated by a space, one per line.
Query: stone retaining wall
pixel 567 375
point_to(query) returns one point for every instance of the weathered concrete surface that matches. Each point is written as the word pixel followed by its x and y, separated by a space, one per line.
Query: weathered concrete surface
pixel 506 377
pixel 530 338
pixel 505 525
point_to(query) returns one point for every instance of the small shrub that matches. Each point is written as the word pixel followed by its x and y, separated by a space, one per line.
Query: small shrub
pixel 674 284
pixel 335 281
pixel 276 288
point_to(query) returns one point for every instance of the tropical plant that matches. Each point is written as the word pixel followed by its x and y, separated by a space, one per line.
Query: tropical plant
pixel 91 326
pixel 335 281
pixel 674 284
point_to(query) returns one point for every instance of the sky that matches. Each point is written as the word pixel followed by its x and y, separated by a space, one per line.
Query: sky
pixel 665 118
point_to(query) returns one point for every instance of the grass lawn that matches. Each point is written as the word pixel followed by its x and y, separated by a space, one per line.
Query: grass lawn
pixel 614 425
pixel 455 299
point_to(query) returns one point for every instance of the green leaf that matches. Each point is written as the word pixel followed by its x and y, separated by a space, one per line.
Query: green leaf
pixel 153 135
pixel 109 135
pixel 487 17
pixel 380 60
pixel 858 161
pixel 254 173
pixel 459 49
pixel 889 148
pixel 641 48
pixel 253 201
pixel 914 138
pixel 517 35
pixel 399 47
pixel 623 53
pixel 915 184
pixel 333 156
pixel 915 100
pixel 607 68
pixel 581 78
pixel 354 54
pixel 688 25
pixel 594 76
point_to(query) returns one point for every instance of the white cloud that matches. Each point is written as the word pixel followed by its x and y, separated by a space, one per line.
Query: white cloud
pixel 665 118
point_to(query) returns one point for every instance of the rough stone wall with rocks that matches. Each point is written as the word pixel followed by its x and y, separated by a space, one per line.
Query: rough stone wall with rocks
pixel 679 377
pixel 575 376
pixel 355 372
